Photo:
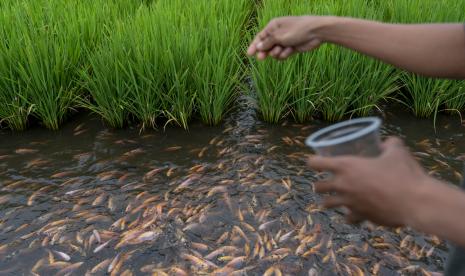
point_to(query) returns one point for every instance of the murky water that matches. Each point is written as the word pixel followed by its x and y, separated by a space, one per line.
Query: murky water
pixel 236 198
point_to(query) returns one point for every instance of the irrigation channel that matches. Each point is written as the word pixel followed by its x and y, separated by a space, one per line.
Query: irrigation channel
pixel 235 198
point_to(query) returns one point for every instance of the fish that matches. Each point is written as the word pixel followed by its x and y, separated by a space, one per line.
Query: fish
pixel 25 151
pixel 101 266
pixel 173 148
pixel 38 265
pixel 202 152
pixel 127 272
pixel 222 238
pixel 25 225
pixel 199 262
pixel 69 269
pixel 286 236
pixel 97 236
pixel 266 225
pixel 237 262
pixel 100 247
pixel 148 236
pixel 38 162
pixel 185 184
pixel 217 189
pixel 407 239
pixel 62 255
pixel 227 249
pixel 241 233
pixel 170 171
pixel 152 173
pixel 61 174
pixel 113 263
pixel 199 246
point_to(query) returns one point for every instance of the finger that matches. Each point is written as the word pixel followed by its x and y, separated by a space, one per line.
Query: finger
pixel 267 43
pixel 287 52
pixel 335 201
pixel 328 186
pixel 252 50
pixel 392 142
pixel 308 46
pixel 276 51
pixel 320 163
pixel 261 55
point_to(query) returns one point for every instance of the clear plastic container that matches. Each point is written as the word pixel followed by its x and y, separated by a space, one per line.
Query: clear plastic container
pixel 353 137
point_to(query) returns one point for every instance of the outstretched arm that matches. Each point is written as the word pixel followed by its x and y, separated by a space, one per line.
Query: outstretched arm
pixel 436 50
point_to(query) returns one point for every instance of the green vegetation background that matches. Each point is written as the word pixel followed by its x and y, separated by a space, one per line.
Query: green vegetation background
pixel 167 61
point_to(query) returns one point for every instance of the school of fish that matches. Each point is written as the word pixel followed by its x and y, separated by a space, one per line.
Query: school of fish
pixel 231 201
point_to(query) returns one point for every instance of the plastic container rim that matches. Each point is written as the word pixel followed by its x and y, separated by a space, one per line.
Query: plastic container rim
pixel 374 123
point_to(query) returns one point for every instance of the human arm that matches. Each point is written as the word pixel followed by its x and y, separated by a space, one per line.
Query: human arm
pixel 393 190
pixel 436 50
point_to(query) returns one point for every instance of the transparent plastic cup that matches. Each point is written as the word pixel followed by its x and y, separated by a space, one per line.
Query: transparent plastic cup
pixel 358 137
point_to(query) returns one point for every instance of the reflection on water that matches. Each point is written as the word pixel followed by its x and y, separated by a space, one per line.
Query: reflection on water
pixel 236 199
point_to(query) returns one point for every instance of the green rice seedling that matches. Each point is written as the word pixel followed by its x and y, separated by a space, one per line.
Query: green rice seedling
pixel 454 97
pixel 43 66
pixel 14 107
pixel 49 58
pixel 43 51
pixel 330 80
pixel 106 83
pixel 378 82
pixel 284 87
pixel 177 47
pixel 426 95
pixel 127 74
pixel 219 71
pixel 354 84
pixel 145 69
pixel 337 72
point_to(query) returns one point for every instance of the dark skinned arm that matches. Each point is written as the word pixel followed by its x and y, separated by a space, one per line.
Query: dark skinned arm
pixel 436 50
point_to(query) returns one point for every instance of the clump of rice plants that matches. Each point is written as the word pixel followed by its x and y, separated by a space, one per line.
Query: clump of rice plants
pixel 48 53
pixel 105 81
pixel 14 107
pixel 355 83
pixel 174 58
pixel 45 44
pixel 330 80
pixel 219 70
pixel 425 96
pixel 139 71
pixel 454 97
pixel 283 86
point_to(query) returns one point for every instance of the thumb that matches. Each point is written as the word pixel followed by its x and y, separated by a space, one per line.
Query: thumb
pixel 309 46
pixel 392 142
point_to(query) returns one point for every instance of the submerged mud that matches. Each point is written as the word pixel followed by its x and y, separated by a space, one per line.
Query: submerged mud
pixel 236 199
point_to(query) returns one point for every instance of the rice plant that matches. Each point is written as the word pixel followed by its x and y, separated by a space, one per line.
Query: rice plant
pixel 454 97
pixel 173 57
pixel 355 83
pixel 43 49
pixel 332 81
pixel 14 107
pixel 425 95
pixel 220 69
pixel 281 86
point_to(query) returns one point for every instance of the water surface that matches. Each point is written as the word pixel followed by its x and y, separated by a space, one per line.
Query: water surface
pixel 231 199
